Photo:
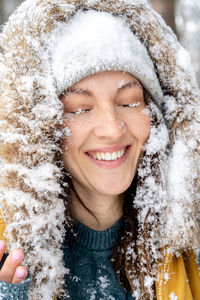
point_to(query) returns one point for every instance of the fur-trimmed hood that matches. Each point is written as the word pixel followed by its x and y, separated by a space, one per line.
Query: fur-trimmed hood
pixel 30 118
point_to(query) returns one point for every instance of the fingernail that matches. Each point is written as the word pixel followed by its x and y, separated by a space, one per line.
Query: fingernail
pixel 2 245
pixel 16 255
pixel 20 273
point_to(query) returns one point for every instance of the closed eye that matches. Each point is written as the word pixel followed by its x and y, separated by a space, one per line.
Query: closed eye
pixel 80 111
pixel 131 105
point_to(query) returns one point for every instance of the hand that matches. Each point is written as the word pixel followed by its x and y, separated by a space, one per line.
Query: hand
pixel 12 270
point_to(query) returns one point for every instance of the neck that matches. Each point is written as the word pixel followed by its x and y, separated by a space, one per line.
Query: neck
pixel 96 211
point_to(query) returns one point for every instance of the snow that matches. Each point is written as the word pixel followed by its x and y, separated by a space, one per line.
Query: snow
pixel 172 296
pixel 66 133
pixel 148 282
pixel 184 59
pixel 134 104
pixel 35 72
pixel 104 282
pixel 178 159
pixel 197 114
pixel 89 43
pixel 121 83
pixel 166 277
pixel 79 111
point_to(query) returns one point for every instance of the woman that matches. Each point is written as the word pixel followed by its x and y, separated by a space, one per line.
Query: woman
pixel 99 154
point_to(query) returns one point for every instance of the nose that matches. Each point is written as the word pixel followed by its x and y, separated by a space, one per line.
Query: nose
pixel 109 125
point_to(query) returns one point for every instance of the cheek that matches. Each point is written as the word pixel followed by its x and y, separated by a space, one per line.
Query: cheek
pixel 140 128
pixel 69 148
pixel 146 128
pixel 76 137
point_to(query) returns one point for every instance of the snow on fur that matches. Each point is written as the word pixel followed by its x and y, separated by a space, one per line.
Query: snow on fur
pixel 30 118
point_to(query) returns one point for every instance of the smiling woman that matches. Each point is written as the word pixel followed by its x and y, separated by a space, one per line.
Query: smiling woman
pixel 102 154
pixel 99 155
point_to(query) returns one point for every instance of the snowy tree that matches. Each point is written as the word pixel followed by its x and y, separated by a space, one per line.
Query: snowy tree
pixel 183 16
pixel 7 7
pixel 1 13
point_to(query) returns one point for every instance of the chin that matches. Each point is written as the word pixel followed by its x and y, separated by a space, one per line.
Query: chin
pixel 114 189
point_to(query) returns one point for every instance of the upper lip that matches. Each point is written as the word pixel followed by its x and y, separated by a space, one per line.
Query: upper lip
pixel 108 149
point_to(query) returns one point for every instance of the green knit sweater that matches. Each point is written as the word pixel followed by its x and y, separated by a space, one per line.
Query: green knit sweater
pixel 88 259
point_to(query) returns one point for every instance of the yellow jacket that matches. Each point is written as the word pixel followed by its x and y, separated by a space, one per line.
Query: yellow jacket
pixel 183 273
pixel 184 278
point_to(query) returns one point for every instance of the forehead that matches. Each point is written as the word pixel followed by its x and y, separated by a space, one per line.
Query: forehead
pixel 106 80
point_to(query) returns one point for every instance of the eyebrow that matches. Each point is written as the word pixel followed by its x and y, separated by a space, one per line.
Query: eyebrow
pixel 89 93
pixel 78 91
pixel 129 84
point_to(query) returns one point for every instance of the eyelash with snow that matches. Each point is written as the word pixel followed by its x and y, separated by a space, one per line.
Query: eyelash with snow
pixel 131 104
pixel 80 111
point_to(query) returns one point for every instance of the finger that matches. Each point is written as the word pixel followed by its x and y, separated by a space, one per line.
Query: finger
pixel 2 248
pixel 3 260
pixel 20 274
pixel 13 260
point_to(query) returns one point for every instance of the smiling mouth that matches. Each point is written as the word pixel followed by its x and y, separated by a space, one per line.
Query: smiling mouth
pixel 109 156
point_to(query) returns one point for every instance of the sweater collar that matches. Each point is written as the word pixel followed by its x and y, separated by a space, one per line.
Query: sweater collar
pixel 99 240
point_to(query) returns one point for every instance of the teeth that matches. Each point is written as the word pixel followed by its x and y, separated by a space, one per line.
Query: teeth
pixel 109 156
pixel 103 156
pixel 114 155
pixel 98 156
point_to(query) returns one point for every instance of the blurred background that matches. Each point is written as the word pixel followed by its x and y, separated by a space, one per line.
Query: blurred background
pixel 183 16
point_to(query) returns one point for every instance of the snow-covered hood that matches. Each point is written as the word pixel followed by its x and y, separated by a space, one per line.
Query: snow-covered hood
pixel 167 198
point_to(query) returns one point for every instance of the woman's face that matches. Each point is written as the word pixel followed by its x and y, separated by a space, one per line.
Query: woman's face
pixel 108 124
